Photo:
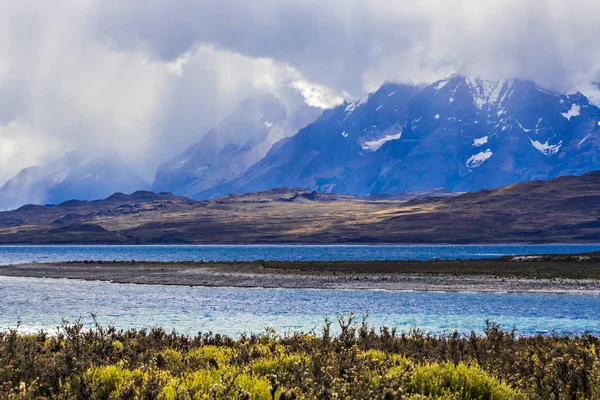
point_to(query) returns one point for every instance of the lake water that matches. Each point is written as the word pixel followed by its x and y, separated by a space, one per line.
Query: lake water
pixel 28 254
pixel 43 303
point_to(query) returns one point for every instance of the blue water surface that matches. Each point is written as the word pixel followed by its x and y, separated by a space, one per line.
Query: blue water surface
pixel 28 254
pixel 43 303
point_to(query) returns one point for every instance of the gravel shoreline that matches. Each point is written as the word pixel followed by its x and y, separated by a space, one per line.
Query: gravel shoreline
pixel 399 276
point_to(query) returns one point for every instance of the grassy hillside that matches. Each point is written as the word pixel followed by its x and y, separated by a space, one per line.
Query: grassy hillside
pixel 565 209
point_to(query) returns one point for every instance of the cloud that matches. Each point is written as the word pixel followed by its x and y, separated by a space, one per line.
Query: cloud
pixel 145 78
pixel 68 91
pixel 327 41
pixel 63 89
pixel 343 42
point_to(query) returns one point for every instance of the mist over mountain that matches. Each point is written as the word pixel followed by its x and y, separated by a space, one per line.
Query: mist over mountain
pixel 73 176
pixel 238 142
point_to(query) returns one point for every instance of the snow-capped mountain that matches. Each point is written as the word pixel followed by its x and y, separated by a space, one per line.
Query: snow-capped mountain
pixel 333 146
pixel 459 133
pixel 467 134
pixel 238 142
pixel 73 176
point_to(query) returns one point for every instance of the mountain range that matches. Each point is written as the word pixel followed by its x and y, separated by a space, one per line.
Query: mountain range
pixel 459 134
pixel 565 209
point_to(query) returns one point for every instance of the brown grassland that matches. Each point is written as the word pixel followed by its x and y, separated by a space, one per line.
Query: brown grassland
pixel 562 210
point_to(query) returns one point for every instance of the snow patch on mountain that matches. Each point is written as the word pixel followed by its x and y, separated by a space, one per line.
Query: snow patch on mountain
pixel 351 107
pixel 440 85
pixel 355 104
pixel 584 139
pixel 545 92
pixel 479 158
pixel 375 145
pixel 59 176
pixel 480 141
pixel 524 129
pixel 488 93
pixel 573 112
pixel 546 148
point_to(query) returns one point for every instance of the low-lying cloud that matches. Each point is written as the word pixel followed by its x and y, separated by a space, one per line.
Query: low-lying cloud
pixel 146 78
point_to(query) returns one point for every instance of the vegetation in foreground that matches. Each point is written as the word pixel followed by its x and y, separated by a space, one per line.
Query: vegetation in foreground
pixel 357 363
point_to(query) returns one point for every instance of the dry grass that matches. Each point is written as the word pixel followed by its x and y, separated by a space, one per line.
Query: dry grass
pixel 562 210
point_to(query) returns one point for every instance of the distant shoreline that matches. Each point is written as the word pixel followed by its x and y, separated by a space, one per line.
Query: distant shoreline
pixel 311 244
pixel 558 274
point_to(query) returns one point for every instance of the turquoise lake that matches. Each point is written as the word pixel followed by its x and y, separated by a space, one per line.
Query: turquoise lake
pixel 27 254
pixel 43 303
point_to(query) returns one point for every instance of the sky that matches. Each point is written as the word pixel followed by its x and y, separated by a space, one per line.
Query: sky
pixel 144 79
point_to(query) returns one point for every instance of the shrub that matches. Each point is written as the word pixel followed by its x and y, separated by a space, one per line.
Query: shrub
pixel 460 382
pixel 359 363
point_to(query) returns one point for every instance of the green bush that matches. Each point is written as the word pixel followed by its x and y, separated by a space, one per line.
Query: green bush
pixel 459 382
pixel 358 363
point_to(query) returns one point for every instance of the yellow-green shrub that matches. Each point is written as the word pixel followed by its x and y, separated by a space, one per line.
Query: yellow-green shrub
pixel 459 382
pixel 202 356
pixel 113 381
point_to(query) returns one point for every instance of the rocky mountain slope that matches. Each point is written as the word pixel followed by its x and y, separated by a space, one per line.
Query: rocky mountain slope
pixel 565 209
pixel 73 176
pixel 460 133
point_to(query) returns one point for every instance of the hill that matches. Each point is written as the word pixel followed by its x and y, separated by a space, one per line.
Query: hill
pixel 565 209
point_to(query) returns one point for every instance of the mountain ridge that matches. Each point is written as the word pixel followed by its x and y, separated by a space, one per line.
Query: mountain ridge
pixel 565 209
pixel 459 133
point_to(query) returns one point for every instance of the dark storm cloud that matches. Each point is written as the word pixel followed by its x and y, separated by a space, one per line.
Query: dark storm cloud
pixel 338 42
pixel 332 41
